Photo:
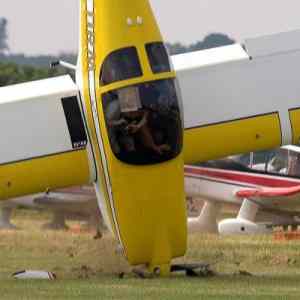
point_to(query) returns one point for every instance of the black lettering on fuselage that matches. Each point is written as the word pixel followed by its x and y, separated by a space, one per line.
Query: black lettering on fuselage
pixel 90 41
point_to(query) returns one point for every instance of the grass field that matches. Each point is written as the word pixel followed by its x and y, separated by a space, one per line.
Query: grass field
pixel 245 268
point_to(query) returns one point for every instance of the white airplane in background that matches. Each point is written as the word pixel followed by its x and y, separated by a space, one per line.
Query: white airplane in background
pixel 264 186
pixel 125 127
pixel 73 203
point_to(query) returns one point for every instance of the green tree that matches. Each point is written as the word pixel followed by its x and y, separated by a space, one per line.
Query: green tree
pixel 3 35
pixel 11 73
pixel 212 40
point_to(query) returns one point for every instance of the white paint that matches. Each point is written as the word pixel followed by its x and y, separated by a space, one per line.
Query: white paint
pixel 240 226
pixel 92 162
pixel 32 120
pixel 248 210
pixel 139 20
pixel 63 86
pixel 216 90
pixel 210 57
pixel 286 127
pixel 79 82
pixel 224 191
pixel 240 89
pixel 206 221
pixel 129 21
pixel 33 274
pixel 292 148
pixel 273 44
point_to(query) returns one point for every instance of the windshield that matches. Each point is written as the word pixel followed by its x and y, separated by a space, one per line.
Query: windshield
pixel 273 162
pixel 158 57
pixel 120 65
pixel 143 122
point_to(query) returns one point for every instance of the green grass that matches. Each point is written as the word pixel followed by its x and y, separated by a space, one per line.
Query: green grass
pixel 108 287
pixel 88 268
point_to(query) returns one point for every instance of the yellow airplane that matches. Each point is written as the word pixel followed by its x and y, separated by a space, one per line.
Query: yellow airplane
pixel 121 125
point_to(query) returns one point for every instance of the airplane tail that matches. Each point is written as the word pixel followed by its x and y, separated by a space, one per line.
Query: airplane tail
pixel 206 221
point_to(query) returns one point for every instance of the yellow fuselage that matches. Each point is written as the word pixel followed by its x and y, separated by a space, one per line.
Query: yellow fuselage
pixel 145 204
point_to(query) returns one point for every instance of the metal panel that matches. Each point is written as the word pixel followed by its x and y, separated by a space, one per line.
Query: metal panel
pixel 273 44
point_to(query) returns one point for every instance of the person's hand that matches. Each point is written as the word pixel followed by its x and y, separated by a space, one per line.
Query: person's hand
pixel 133 128
pixel 161 149
pixel 123 122
pixel 119 122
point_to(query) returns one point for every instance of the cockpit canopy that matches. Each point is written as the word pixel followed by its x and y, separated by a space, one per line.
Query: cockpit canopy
pixel 123 64
pixel 120 65
pixel 158 57
pixel 281 161
pixel 143 122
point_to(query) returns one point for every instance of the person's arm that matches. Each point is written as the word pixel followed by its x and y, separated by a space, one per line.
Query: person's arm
pixel 133 128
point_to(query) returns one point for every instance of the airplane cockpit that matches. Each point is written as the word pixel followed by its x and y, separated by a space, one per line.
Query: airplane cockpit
pixel 283 161
pixel 143 120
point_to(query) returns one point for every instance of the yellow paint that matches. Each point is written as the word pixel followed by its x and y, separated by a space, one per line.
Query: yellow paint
pixel 40 174
pixel 150 210
pixel 148 201
pixel 241 136
pixel 294 118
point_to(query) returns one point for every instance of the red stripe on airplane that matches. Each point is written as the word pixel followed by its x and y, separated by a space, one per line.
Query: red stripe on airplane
pixel 242 177
pixel 269 192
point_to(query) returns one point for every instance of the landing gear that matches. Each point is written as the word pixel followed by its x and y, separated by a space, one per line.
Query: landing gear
pixel 5 215
pixel 245 221
pixel 207 220
pixel 58 222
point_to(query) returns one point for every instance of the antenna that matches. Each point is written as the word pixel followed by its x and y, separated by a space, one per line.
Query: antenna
pixel 64 64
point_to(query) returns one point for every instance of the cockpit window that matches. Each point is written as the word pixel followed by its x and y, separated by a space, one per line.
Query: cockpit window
pixel 143 122
pixel 270 162
pixel 158 57
pixel 120 65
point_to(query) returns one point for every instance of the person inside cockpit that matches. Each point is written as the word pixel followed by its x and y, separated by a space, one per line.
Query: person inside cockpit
pixel 129 124
pixel 137 119
pixel 143 122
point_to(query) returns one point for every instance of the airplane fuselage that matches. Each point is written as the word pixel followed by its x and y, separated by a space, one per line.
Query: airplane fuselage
pixel 220 186
pixel 127 166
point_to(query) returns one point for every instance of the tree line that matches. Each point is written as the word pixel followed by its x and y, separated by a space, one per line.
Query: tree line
pixel 16 68
pixel 12 73
pixel 3 35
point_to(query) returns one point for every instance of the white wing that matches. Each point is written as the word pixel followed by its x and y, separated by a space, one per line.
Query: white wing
pixel 43 137
pixel 240 98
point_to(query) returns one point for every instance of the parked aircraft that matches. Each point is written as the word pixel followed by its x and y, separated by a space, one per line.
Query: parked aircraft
pixel 121 125
pixel 75 203
pixel 263 185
